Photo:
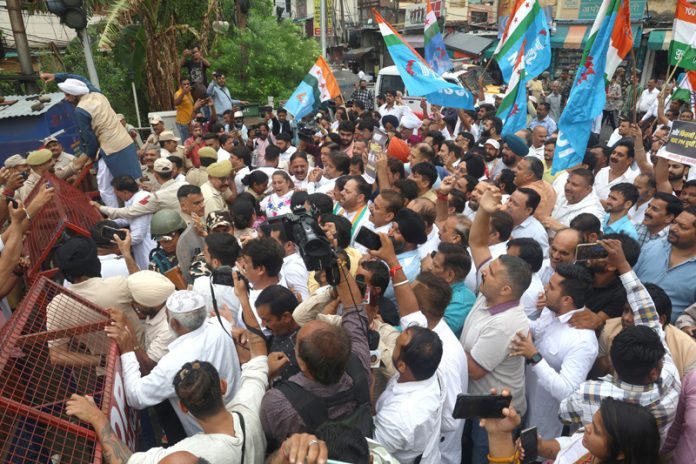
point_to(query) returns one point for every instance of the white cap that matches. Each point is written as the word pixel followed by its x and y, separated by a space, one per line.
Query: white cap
pixel 238 114
pixel 155 119
pixel 185 301
pixel 494 143
pixel 73 87
pixel 411 121
pixel 162 165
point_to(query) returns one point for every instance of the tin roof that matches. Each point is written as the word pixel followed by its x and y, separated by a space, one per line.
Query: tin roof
pixel 23 103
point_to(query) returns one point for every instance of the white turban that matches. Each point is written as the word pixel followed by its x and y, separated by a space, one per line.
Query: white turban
pixel 185 301
pixel 74 87
pixel 149 288
pixel 411 121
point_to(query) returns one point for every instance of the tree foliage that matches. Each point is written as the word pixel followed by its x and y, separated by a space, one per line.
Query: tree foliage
pixel 278 58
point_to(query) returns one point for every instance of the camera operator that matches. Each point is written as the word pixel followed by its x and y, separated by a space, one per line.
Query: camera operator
pixel 221 252
pixel 331 360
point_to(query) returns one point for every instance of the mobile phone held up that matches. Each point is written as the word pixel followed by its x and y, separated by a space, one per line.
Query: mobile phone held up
pixel 480 406
pixel 368 239
pixel 587 251
pixel 529 441
pixel 109 232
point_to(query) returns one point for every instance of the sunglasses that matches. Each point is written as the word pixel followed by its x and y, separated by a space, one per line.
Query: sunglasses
pixel 162 238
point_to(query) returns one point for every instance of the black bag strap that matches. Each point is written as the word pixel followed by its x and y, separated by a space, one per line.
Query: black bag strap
pixel 311 408
pixel 241 422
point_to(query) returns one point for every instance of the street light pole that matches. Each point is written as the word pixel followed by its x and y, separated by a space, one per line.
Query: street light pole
pixel 323 27
pixel 91 69
pixel 14 10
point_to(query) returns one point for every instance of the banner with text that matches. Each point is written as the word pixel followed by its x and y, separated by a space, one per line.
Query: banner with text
pixel 681 146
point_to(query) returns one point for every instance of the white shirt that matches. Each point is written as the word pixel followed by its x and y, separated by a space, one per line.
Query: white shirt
pixel 140 233
pixel 379 230
pixel 647 98
pixel 637 213
pixel 323 186
pixel 300 184
pixel 530 297
pixel 223 154
pixel 408 416
pixel 224 295
pixel 431 244
pixel 241 174
pixel 614 137
pixel 564 212
pixel 537 152
pixel 295 274
pixel 209 343
pixel 568 355
pixel 158 336
pixel 602 184
pixel 285 156
pixel 113 265
pixel 396 110
pixel 218 447
pixel 532 228
pixel 454 374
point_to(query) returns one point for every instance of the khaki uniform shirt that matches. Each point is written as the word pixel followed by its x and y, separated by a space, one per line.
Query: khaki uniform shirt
pixel 148 180
pixel 214 199
pixel 23 192
pixel 197 176
pixel 157 335
pixel 164 198
pixel 63 167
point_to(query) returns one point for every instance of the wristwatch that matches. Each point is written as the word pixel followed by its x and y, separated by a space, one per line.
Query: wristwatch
pixel 534 360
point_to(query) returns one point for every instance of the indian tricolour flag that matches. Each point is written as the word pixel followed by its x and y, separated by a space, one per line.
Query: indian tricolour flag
pixel 687 90
pixel 319 85
pixel 621 40
pixel 682 50
pixel 513 108
pixel 528 24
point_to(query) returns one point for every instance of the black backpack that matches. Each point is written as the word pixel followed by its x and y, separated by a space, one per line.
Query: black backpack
pixel 314 410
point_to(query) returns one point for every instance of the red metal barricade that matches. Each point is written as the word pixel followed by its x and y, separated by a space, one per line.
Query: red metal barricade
pixel 34 427
pixel 67 214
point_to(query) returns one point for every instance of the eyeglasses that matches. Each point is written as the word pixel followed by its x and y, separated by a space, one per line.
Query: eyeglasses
pixel 162 238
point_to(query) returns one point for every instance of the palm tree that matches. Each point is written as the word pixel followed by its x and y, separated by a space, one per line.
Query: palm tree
pixel 144 32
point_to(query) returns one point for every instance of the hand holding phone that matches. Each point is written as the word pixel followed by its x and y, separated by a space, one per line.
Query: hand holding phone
pixel 480 406
pixel 529 440
pixel 109 232
pixel 368 239
pixel 587 251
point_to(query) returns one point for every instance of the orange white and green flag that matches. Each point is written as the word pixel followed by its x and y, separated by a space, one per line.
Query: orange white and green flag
pixel 682 49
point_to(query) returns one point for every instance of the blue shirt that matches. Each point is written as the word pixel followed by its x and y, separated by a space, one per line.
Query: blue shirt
pixel 457 311
pixel 547 123
pixel 678 282
pixel 622 226
pixel 410 263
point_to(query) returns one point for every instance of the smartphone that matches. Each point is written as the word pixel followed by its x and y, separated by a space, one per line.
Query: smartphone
pixel 529 441
pixel 586 251
pixel 368 239
pixel 480 406
pixel 109 232
pixel 11 200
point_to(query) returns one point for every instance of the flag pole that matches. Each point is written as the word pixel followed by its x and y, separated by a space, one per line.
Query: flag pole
pixel 634 79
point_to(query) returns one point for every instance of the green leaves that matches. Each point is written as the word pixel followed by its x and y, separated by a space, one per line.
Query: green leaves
pixel 277 55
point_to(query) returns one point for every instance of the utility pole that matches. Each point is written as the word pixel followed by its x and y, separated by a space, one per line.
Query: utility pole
pixel 91 69
pixel 323 26
pixel 20 37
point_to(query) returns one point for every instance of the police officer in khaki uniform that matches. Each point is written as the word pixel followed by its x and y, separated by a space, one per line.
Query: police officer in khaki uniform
pixel 66 165
pixel 218 190
pixel 39 161
pixel 147 181
pixel 164 198
pixel 157 125
pixel 199 176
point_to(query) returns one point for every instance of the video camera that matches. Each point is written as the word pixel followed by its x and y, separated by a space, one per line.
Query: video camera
pixel 302 229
